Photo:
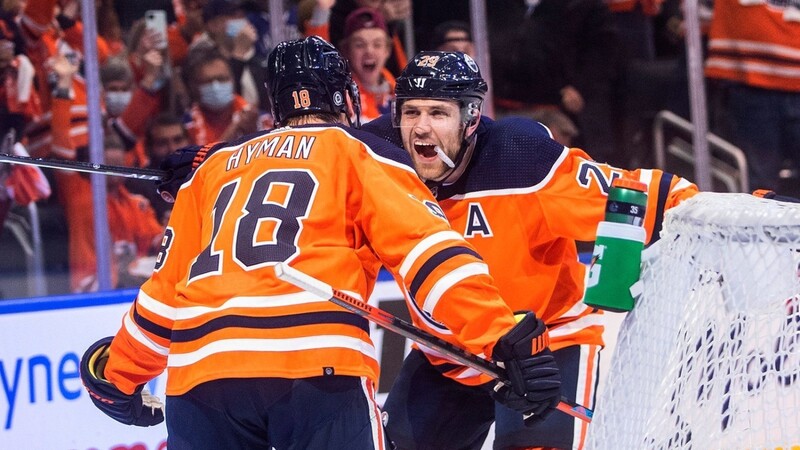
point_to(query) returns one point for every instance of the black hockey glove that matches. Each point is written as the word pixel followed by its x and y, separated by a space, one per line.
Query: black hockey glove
pixel 535 381
pixel 179 165
pixel 140 409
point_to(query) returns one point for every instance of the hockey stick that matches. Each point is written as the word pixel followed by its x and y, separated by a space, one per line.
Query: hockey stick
pixel 403 328
pixel 80 166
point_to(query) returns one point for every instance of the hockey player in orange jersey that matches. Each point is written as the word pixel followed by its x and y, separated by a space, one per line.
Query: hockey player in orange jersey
pixel 522 200
pixel 252 362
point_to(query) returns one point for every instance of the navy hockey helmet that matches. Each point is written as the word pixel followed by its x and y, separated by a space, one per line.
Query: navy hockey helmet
pixel 442 75
pixel 307 76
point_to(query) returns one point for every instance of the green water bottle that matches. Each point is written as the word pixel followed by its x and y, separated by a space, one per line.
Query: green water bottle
pixel 618 248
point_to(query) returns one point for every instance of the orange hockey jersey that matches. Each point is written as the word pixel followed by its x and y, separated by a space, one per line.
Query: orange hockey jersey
pixel 373 104
pixel 522 202
pixel 756 44
pixel 131 222
pixel 330 201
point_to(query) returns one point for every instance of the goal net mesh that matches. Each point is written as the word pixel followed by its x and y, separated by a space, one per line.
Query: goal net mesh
pixel 710 356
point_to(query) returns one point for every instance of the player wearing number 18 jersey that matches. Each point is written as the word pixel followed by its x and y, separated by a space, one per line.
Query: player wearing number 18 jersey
pixel 252 362
pixel 522 200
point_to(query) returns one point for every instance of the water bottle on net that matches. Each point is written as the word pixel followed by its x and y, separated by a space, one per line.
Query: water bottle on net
pixel 617 255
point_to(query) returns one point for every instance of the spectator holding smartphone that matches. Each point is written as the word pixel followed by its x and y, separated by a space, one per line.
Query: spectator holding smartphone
pixel 228 29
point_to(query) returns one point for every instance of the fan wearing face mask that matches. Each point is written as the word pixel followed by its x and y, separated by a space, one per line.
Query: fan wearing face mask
pixel 128 105
pixel 229 26
pixel 217 113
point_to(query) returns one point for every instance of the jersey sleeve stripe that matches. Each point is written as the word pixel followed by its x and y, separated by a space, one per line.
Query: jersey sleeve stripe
pixel 451 369
pixel 663 194
pixel 446 367
pixel 150 326
pixel 424 245
pixel 575 326
pixel 435 261
pixel 423 317
pixel 467 373
pixel 294 320
pixel 240 346
pixel 154 306
pixel 681 184
pixel 455 370
pixel 646 176
pixel 274 301
pixel 136 333
pixel 446 282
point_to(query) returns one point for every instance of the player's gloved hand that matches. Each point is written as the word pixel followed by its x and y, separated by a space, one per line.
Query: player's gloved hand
pixel 535 381
pixel 179 165
pixel 140 408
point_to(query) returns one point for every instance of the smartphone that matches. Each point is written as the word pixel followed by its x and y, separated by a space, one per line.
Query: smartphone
pixel 156 19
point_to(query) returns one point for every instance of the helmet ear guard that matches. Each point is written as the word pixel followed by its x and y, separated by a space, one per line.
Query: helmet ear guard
pixel 472 114
pixel 355 101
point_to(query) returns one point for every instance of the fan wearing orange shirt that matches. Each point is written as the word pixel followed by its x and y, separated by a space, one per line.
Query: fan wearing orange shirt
pixel 135 232
pixel 217 112
pixel 522 200
pixel 253 362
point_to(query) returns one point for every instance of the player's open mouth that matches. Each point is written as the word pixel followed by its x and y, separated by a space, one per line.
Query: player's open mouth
pixel 425 150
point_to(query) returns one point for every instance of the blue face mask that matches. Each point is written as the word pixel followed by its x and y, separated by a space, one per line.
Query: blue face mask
pixel 216 95
pixel 116 102
pixel 234 26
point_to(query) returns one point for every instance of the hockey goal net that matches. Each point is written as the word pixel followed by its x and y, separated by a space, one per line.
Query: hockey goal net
pixel 710 356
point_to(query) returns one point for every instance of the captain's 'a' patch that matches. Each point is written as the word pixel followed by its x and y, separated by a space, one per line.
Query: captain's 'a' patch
pixel 477 224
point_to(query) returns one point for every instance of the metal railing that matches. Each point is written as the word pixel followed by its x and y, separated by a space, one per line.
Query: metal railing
pixel 728 163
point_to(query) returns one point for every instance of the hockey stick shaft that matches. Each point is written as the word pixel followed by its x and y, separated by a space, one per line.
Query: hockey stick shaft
pixel 403 328
pixel 80 166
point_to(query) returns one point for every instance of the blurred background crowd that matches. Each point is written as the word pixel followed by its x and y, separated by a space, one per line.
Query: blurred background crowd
pixel 596 72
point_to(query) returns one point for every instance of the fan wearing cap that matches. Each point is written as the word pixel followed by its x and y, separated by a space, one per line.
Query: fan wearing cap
pixel 367 45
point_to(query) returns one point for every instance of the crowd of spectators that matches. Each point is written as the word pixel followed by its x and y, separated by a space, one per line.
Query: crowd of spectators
pixel 578 66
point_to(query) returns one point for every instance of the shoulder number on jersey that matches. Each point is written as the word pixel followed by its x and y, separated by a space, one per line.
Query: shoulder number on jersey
pixel 163 251
pixel 589 171
pixel 432 207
